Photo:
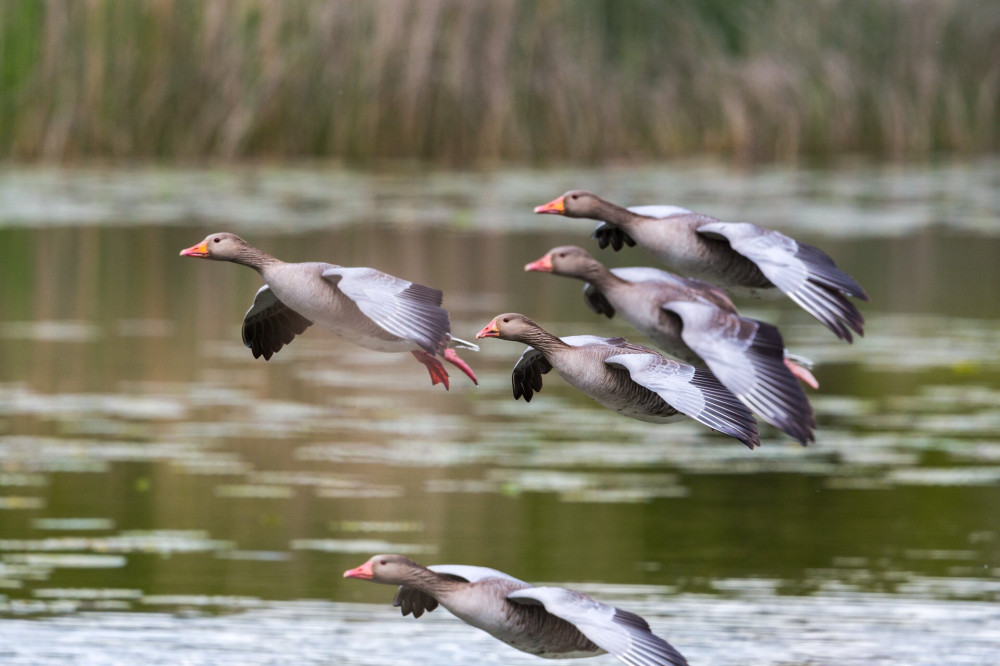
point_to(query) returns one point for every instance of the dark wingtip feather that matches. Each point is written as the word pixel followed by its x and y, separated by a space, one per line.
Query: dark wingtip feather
pixel 723 411
pixel 606 234
pixel 777 396
pixel 630 619
pixel 597 301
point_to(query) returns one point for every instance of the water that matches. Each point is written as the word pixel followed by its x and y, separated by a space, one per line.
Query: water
pixel 166 498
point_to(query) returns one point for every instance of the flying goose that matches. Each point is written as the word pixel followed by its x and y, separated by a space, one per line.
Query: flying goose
pixel 743 258
pixel 698 324
pixel 368 307
pixel 550 622
pixel 629 379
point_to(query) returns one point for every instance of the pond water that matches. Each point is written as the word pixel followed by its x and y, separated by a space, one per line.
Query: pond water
pixel 166 498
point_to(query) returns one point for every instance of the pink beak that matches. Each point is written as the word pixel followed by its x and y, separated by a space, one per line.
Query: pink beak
pixel 363 572
pixel 489 331
pixel 543 265
pixel 554 207
pixel 199 250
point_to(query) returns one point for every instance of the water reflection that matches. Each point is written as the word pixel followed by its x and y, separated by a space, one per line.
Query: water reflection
pixel 149 463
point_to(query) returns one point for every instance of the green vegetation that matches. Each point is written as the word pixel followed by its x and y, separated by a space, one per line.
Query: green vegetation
pixel 461 82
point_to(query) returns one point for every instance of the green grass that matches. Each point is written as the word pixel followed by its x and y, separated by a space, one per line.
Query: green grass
pixel 465 82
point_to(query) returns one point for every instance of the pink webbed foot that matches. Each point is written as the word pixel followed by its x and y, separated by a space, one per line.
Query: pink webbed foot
pixel 802 373
pixel 452 357
pixel 434 367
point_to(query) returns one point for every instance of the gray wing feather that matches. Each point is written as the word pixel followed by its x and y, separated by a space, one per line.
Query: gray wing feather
pixel 805 273
pixel 692 391
pixel 619 633
pixel 407 310
pixel 269 324
pixel 747 357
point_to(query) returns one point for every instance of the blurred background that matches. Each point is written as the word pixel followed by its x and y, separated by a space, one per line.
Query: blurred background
pixel 166 498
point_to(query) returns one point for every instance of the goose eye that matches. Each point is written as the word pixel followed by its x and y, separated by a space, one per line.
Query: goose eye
pixel 574 196
pixel 382 562
pixel 562 255
pixel 216 239
pixel 506 320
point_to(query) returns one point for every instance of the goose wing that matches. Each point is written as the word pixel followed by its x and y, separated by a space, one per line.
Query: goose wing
pixel 597 301
pixel 692 391
pixel 805 273
pixel 747 357
pixel 526 377
pixel 269 324
pixel 608 234
pixel 620 633
pixel 405 309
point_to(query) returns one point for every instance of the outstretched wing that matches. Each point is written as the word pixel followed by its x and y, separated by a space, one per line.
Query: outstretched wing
pixel 269 324
pixel 620 633
pixel 805 273
pixel 692 391
pixel 407 310
pixel 747 357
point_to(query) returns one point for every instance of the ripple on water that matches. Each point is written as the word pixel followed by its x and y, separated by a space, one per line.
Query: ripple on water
pixel 844 629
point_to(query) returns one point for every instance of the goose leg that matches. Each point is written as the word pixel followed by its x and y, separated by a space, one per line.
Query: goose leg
pixel 434 367
pixel 802 373
pixel 452 357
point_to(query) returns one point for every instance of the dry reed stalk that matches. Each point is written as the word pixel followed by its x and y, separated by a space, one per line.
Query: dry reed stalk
pixel 510 80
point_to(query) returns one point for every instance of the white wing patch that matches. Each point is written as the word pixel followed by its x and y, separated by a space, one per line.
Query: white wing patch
pixel 658 211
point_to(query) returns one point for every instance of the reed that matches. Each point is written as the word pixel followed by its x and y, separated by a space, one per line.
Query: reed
pixel 465 82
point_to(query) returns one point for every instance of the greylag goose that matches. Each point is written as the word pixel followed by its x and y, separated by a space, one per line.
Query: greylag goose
pixel 743 258
pixel 634 381
pixel 698 324
pixel 362 305
pixel 550 622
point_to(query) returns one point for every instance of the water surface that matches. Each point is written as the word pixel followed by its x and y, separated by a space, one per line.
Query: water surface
pixel 165 497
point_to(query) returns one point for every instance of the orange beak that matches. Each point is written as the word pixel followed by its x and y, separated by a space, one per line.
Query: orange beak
pixel 554 207
pixel 199 250
pixel 543 265
pixel 491 330
pixel 364 572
